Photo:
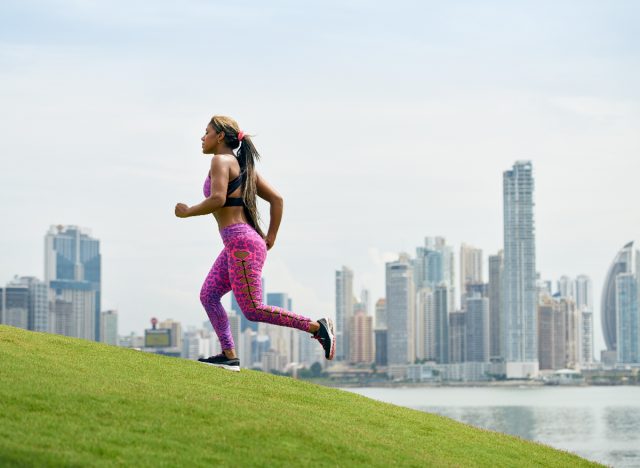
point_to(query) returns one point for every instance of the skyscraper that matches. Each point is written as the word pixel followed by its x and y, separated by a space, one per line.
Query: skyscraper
pixel 477 343
pixel 344 311
pixel 558 333
pixel 584 303
pixel 628 320
pixel 470 267
pixel 361 346
pixel 365 300
pixel 566 287
pixel 381 314
pixel 400 311
pixel 584 292
pixel 625 262
pixel 434 265
pixel 72 272
pixel 380 332
pixel 425 324
pixel 457 337
pixel 520 292
pixel 551 334
pixel 441 298
pixel 109 327
pixel 496 319
pixel 586 338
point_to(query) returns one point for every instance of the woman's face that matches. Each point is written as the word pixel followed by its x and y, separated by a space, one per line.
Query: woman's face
pixel 211 140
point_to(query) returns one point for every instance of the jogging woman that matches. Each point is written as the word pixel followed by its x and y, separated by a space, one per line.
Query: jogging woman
pixel 230 189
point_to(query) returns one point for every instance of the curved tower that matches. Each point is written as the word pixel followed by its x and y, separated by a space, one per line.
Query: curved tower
pixel 622 263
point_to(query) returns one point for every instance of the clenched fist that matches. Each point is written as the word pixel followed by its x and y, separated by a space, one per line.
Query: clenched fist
pixel 182 210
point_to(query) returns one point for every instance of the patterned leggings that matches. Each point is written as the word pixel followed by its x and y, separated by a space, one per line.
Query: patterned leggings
pixel 238 268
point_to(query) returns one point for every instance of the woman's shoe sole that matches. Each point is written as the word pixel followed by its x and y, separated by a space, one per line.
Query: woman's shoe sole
pixel 333 339
pixel 224 366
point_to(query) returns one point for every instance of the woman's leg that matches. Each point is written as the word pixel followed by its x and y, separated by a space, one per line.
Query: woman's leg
pixel 246 256
pixel 215 286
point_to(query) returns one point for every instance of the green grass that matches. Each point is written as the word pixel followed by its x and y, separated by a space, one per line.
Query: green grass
pixel 71 402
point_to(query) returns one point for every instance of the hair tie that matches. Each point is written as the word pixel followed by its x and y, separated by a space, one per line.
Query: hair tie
pixel 240 135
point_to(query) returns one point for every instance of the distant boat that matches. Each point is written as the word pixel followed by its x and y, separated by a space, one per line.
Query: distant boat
pixel 564 377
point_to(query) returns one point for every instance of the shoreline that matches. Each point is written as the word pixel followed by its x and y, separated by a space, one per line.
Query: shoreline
pixel 499 384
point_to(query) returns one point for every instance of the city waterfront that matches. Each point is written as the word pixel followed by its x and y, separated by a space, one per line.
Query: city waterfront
pixel 599 423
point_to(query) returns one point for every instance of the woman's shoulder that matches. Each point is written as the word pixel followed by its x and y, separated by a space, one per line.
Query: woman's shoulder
pixel 224 162
pixel 224 159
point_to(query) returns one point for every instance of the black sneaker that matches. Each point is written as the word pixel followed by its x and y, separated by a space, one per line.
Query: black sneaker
pixel 220 360
pixel 326 337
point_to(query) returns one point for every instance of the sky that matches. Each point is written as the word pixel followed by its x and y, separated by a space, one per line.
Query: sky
pixel 380 124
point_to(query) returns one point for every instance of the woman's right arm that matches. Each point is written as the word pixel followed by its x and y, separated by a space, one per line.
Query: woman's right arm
pixel 268 193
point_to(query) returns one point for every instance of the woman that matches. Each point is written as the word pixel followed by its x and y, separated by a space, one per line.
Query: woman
pixel 230 190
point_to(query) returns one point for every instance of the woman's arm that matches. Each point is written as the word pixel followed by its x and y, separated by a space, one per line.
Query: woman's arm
pixel 268 193
pixel 219 181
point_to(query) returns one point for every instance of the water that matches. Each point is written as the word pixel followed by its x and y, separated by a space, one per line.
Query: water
pixel 598 423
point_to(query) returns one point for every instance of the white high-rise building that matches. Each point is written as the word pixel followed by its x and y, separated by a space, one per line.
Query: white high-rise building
pixel 434 265
pixel 344 311
pixel 400 311
pixel 470 267
pixel 584 304
pixel 109 327
pixel 425 324
pixel 584 293
pixel 566 287
pixel 586 337
pixel 381 314
pixel 365 300
pixel 520 290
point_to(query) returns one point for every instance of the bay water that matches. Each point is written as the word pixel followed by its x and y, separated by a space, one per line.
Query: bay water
pixel 600 423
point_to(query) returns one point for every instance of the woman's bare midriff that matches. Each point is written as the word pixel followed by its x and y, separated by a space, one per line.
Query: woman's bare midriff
pixel 229 215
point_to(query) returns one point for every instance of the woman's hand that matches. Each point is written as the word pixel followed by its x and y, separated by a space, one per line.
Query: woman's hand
pixel 182 210
pixel 269 239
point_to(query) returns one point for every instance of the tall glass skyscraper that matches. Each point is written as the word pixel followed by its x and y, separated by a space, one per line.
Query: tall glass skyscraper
pixel 626 261
pixel 627 320
pixel 519 280
pixel 73 274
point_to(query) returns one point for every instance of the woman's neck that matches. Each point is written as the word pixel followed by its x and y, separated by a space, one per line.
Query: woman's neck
pixel 224 150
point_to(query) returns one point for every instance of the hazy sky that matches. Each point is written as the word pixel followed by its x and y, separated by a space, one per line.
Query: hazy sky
pixel 380 123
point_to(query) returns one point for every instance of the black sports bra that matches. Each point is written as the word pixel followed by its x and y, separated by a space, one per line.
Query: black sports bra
pixel 233 185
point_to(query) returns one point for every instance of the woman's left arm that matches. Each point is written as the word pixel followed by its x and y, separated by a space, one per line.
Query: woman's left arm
pixel 219 181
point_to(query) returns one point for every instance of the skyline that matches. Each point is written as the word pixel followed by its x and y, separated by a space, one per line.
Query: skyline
pixel 405 119
pixel 554 286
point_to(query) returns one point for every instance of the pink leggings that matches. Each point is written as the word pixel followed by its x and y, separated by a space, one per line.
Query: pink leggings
pixel 238 268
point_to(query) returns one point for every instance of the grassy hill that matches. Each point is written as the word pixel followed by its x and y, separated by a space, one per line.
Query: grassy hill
pixel 65 401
